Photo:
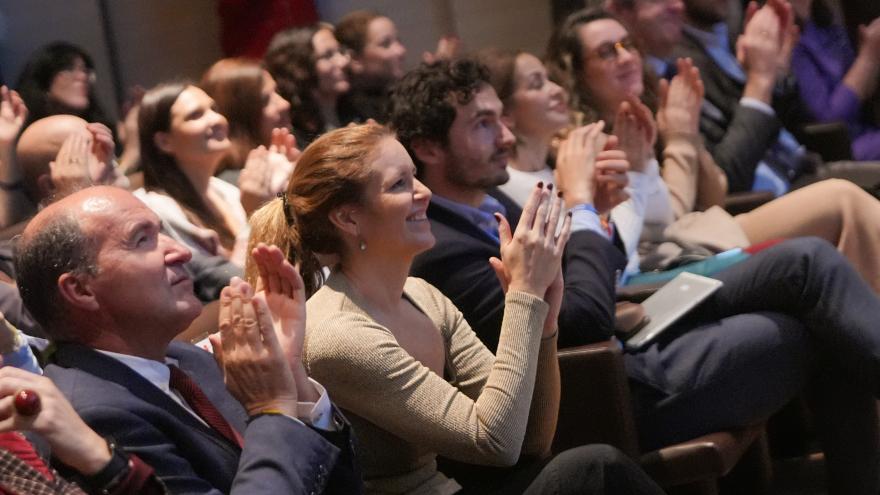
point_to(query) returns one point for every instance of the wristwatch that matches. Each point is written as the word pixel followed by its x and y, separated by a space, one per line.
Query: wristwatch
pixel 108 479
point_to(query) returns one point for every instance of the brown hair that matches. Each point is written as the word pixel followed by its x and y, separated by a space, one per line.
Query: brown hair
pixel 236 84
pixel 290 59
pixel 161 171
pixel 333 171
pixel 351 30
pixel 565 63
pixel 502 70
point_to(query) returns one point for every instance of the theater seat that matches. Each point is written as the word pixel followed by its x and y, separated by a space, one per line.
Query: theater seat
pixel 595 408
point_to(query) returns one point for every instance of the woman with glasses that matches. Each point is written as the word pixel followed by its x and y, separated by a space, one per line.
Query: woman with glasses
pixel 60 78
pixel 310 66
pixel 672 174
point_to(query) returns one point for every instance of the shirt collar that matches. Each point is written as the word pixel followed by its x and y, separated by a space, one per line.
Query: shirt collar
pixel 716 37
pixel 154 372
pixel 660 66
pixel 481 216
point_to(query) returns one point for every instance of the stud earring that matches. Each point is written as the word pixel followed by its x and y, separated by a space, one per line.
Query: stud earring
pixel 363 245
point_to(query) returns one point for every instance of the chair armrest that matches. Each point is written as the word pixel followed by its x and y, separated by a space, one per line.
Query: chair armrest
pixel 712 455
pixel 830 140
pixel 595 402
pixel 741 202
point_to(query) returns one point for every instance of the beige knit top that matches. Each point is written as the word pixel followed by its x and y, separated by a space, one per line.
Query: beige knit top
pixel 483 412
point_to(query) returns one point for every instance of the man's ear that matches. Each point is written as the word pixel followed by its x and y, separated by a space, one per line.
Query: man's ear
pixel 345 218
pixel 428 151
pixel 76 291
pixel 163 141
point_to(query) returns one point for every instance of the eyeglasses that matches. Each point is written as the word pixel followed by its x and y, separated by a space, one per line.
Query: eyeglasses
pixel 609 51
pixel 81 68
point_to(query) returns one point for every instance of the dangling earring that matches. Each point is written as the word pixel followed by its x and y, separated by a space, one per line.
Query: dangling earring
pixel 363 245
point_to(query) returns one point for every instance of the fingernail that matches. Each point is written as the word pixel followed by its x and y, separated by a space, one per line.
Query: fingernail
pixel 497 217
pixel 559 194
pixel 550 187
pixel 569 214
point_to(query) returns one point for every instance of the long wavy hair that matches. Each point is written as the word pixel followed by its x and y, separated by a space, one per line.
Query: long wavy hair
pixel 565 61
pixel 161 170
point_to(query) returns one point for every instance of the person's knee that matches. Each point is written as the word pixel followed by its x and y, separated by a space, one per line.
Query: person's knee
pixel 601 454
pixel 601 469
pixel 809 253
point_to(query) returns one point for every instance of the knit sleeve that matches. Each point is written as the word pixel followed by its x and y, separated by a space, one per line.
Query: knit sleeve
pixel 369 374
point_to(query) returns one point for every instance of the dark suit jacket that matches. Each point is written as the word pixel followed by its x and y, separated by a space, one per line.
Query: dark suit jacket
pixel 280 455
pixel 738 137
pixel 458 265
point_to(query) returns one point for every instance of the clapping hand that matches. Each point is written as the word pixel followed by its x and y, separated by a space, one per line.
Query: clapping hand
pixel 576 162
pixel 13 113
pixel 636 133
pixel 267 170
pixel 254 364
pixel 531 257
pixel 70 169
pixel 680 101
pixel 610 177
pixel 448 47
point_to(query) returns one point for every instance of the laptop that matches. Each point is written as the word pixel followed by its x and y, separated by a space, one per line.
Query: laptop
pixel 671 302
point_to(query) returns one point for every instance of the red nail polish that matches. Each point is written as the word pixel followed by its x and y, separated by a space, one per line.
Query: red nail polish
pixel 540 184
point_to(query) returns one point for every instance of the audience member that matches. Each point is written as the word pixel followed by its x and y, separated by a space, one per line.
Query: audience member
pixel 375 332
pixel 62 154
pixel 183 140
pixel 111 291
pixel 259 119
pixel 309 66
pixel 662 196
pixel 57 160
pixel 656 27
pixel 835 81
pixel 734 360
pixel 59 78
pixel 377 57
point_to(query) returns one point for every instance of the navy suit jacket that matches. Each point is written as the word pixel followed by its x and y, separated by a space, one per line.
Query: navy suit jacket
pixel 738 136
pixel 280 455
pixel 458 265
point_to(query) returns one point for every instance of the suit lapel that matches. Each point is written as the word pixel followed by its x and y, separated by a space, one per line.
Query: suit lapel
pixel 201 367
pixel 69 355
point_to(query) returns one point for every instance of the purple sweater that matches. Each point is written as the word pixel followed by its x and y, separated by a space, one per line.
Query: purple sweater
pixel 820 61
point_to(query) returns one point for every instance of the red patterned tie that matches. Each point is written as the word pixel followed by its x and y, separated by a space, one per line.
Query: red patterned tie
pixel 202 406
pixel 18 446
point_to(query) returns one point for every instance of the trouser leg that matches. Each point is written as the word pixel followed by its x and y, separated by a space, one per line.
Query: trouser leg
pixel 809 280
pixel 709 376
pixel 592 470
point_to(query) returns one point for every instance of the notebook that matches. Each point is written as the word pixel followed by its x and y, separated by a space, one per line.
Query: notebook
pixel 670 303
